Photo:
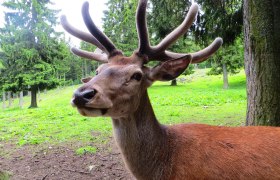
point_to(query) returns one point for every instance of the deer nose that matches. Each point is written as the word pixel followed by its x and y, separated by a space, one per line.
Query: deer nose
pixel 81 98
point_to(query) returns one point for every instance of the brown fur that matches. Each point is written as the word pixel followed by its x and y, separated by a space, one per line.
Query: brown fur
pixel 196 151
pixel 215 152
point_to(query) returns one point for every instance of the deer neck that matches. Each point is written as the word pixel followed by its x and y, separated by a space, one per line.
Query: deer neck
pixel 143 142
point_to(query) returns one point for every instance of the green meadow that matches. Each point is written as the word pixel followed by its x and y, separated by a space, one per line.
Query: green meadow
pixel 197 99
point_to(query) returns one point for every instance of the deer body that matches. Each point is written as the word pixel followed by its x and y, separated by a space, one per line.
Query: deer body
pixel 211 152
pixel 154 151
pixel 195 151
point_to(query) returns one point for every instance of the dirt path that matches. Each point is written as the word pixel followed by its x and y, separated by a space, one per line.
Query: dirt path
pixel 61 163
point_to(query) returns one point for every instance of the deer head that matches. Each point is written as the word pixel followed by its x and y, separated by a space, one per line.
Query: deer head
pixel 121 81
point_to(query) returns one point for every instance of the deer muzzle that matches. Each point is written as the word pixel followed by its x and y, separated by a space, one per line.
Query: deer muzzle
pixel 80 99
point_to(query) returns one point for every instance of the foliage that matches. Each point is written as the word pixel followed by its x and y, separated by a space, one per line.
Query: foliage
pixel 165 16
pixel 33 55
pixel 224 19
pixel 219 18
pixel 232 56
pixel 119 24
pixel 88 67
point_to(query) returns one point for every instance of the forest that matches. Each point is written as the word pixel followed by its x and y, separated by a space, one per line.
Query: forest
pixel 41 132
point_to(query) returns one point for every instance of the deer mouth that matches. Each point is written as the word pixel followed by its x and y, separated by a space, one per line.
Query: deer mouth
pixel 102 110
pixel 87 110
pixel 92 112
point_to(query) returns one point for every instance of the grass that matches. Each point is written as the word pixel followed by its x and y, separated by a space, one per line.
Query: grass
pixel 86 149
pixel 200 99
pixel 4 175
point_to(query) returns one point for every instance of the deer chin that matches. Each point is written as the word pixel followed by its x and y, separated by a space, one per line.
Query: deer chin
pixel 92 112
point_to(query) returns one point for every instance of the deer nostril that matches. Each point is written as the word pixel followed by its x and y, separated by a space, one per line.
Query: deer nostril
pixel 89 94
pixel 82 98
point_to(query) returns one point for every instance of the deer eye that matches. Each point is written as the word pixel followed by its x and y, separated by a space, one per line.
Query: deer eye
pixel 137 76
pixel 96 72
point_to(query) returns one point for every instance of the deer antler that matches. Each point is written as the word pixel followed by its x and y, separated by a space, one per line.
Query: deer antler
pixel 103 58
pixel 201 55
pixel 80 34
pixel 154 53
pixel 159 53
pixel 87 38
pixel 99 35
pixel 96 38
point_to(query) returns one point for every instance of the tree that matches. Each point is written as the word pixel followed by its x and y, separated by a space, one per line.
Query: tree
pixel 75 72
pixel 228 60
pixel 262 61
pixel 2 92
pixel 224 19
pixel 119 24
pixel 88 66
pixel 165 16
pixel 30 46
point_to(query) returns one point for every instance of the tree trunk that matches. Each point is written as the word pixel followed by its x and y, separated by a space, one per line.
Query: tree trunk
pixel 225 76
pixel 85 66
pixel 4 100
pixel 262 61
pixel 64 80
pixel 174 82
pixel 21 99
pixel 10 99
pixel 38 94
pixel 29 92
pixel 33 97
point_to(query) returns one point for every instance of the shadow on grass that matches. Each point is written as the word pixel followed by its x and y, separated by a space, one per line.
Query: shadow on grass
pixel 238 84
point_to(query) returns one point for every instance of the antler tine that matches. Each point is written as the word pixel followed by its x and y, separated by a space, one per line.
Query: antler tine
pixel 179 31
pixel 80 34
pixel 201 55
pixel 89 55
pixel 99 35
pixel 141 23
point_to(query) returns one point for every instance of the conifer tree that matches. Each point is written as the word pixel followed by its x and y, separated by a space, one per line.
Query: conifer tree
pixel 30 46
pixel 119 24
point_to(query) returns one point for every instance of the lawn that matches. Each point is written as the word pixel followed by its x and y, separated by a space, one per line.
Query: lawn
pixel 199 99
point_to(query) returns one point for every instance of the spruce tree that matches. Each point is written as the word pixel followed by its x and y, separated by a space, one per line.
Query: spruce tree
pixel 119 24
pixel 223 19
pixel 29 43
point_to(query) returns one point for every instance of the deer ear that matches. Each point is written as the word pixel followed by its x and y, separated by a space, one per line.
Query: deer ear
pixel 170 69
pixel 85 80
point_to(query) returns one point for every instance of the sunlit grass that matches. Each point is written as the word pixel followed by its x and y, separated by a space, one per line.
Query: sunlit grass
pixel 55 121
pixel 200 99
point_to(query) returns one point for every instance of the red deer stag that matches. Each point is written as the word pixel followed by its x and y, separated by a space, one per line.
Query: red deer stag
pixel 154 151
